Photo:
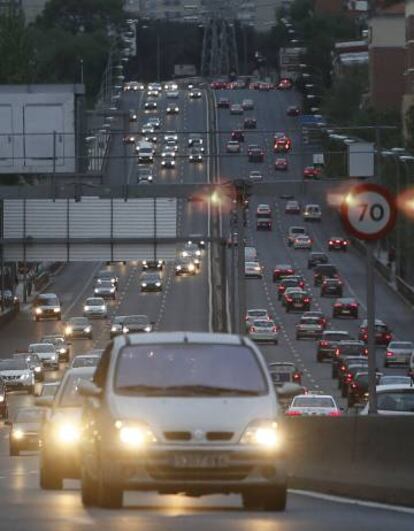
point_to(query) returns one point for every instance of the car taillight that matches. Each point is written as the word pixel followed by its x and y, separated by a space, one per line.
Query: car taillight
pixel 293 413
pixel 348 377
pixel 353 385
pixel 389 354
pixel 252 329
pixel 387 336
pixel 274 329
pixel 336 413
pixel 324 343
pixel 338 305
pixel 330 242
pixel 354 305
pixel 306 299
pixel 289 299
pixel 345 243
pixel 342 368
pixel 337 352
pixel 296 376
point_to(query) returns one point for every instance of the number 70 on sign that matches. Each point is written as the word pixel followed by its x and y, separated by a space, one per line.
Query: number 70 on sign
pixel 369 211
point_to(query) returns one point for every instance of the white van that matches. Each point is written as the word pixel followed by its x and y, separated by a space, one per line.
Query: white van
pixel 312 213
pixel 145 151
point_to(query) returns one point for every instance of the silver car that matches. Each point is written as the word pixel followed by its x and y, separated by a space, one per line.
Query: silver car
pixel 398 353
pixel 193 409
pixel 105 289
pixel 253 270
pixel 95 307
pixel 16 375
pixel 309 327
pixel 264 330
pixel 47 354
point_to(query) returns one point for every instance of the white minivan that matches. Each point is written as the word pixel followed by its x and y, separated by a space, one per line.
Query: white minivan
pixel 312 213
pixel 145 152
pixel 182 412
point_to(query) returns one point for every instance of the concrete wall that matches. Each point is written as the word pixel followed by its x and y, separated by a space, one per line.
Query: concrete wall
pixel 362 457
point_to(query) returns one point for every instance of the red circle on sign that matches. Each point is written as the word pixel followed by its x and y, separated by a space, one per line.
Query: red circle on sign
pixel 386 197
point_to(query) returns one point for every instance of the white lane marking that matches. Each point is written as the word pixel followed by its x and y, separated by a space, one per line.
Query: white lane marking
pixel 353 501
pixel 82 291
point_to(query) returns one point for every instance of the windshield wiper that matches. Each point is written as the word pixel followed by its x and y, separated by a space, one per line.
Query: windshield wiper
pixel 188 390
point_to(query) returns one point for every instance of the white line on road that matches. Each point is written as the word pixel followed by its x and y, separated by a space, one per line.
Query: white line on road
pixel 353 501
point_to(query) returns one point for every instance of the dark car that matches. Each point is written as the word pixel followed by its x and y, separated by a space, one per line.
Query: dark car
pixel 383 334
pixel 264 222
pixel 281 271
pixel 150 282
pixel 296 300
pixel 249 123
pixel 133 324
pixel 77 327
pixel 293 110
pixel 346 307
pixel 328 343
pixel 292 281
pixel 153 265
pixel 358 388
pixel 283 372
pixel 347 347
pixel 223 103
pixel 315 258
pixel 331 286
pixel 344 362
pixel 323 271
pixel 3 400
pixel 337 243
pixel 61 345
pixel 255 153
pixel 25 430
pixel 352 368
pixel 237 134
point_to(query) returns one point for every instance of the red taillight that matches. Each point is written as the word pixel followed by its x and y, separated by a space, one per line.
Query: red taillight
pixel 354 305
pixel 342 368
pixel 353 385
pixel 338 305
pixel 274 329
pixel 324 343
pixel 345 243
pixel 389 354
pixel 348 377
pixel 337 352
pixel 388 336
pixel 293 413
pixel 306 299
pixel 296 376
pixel 289 299
pixel 277 270
pixel 330 242
pixel 252 329
pixel 334 414
pixel 289 271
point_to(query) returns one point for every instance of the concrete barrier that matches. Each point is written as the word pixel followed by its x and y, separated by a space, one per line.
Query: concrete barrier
pixel 363 457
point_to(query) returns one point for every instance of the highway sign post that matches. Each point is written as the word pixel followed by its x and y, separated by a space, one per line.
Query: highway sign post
pixel 369 213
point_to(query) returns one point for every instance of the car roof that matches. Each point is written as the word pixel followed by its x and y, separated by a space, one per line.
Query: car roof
pixel 394 387
pixel 179 337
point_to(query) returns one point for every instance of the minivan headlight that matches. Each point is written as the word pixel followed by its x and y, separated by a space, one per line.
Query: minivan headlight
pixel 134 436
pixel 264 434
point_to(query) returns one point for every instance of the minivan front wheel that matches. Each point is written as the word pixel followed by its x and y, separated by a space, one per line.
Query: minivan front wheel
pixel 109 496
pixel 274 498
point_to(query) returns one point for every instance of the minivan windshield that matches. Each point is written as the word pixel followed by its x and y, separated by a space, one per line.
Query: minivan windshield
pixel 189 370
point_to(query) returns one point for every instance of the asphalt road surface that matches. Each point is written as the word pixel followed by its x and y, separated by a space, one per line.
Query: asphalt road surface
pixel 184 304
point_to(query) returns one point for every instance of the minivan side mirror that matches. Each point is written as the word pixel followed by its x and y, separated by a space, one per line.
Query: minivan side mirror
pixel 89 389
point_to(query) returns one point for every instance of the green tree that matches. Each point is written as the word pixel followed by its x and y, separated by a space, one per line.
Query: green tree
pixel 16 50
pixel 78 16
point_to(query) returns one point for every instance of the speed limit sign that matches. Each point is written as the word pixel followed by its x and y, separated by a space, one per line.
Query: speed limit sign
pixel 369 211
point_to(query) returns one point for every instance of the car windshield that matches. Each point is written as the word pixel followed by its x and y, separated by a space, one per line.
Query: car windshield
pixel 29 415
pixel 118 320
pixel 42 347
pixel 50 389
pixel 78 321
pixel 85 361
pixel 69 396
pixel 53 340
pixel 403 345
pixel 257 313
pixel 136 319
pixel 395 380
pixel 313 401
pixel 151 277
pixel 106 284
pixel 106 275
pixel 260 323
pixel 189 370
pixel 94 302
pixel 396 400
pixel 13 365
pixel 48 301
pixel 335 336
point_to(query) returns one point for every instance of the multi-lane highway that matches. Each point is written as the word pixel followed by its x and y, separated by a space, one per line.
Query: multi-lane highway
pixel 184 304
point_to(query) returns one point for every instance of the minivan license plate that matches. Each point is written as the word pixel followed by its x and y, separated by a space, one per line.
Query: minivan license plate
pixel 199 461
